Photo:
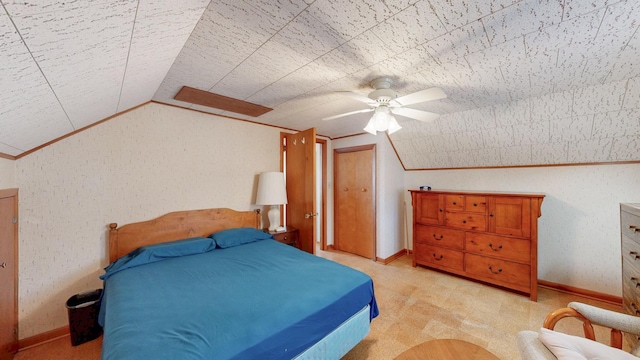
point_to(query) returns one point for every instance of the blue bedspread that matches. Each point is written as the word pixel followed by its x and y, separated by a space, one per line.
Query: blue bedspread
pixel 262 300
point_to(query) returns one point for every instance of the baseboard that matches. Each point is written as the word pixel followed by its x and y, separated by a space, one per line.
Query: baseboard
pixel 615 300
pixel 45 337
pixel 391 258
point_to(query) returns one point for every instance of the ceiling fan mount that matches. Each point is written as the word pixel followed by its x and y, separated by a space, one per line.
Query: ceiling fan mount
pixel 382 93
pixel 382 83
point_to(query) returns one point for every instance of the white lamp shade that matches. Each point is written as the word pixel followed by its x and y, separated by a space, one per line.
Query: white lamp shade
pixel 393 126
pixel 271 189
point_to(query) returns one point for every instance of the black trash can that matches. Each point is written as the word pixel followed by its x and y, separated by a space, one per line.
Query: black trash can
pixel 83 312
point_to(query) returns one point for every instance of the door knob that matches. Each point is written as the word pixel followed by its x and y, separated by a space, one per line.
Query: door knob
pixel 3 265
pixel 306 216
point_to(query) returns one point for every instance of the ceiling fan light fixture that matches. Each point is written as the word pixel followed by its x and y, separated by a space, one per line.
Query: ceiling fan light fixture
pixel 393 126
pixel 382 120
pixel 370 128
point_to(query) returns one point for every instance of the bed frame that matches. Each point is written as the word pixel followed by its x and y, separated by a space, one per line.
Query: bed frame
pixel 176 225
pixel 192 223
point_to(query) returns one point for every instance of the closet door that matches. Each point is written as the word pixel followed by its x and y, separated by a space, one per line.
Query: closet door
pixel 354 200
pixel 8 273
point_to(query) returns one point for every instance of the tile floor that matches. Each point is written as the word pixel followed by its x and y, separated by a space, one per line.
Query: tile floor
pixel 416 305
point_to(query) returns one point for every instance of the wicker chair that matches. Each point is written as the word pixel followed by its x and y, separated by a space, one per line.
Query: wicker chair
pixel 531 348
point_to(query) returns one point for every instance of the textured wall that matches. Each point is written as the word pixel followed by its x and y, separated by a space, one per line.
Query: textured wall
pixel 142 164
pixel 579 231
pixel 7 173
pixel 594 124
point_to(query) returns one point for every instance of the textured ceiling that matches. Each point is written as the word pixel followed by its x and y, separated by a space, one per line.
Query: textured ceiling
pixel 503 64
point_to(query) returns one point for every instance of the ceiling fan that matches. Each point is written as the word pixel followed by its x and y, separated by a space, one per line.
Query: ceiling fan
pixel 385 103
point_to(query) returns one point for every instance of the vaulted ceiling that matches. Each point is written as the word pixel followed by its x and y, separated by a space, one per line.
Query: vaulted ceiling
pixel 65 65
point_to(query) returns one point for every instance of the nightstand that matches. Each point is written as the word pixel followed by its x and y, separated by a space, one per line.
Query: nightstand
pixel 289 236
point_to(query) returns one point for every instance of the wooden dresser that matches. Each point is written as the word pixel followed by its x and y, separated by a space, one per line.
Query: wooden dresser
pixel 630 235
pixel 486 236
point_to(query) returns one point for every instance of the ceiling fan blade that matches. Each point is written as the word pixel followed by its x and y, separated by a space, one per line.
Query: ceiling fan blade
pixel 359 97
pixel 415 114
pixel 347 114
pixel 421 96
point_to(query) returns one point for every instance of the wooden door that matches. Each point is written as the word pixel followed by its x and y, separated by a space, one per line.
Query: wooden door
pixel 8 273
pixel 301 188
pixel 510 216
pixel 354 200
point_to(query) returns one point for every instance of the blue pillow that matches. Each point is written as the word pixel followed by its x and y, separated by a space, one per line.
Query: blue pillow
pixel 239 236
pixel 152 253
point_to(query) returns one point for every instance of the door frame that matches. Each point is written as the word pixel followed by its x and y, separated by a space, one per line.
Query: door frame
pixel 8 193
pixel 323 225
pixel 374 200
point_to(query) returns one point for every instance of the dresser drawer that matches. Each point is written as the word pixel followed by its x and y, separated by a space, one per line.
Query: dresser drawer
pixel 631 278
pixel 467 221
pixel 630 226
pixel 499 246
pixel 475 204
pixel 630 303
pixel 288 237
pixel 440 236
pixel 438 257
pixel 454 202
pixel 469 203
pixel 631 339
pixel 631 293
pixel 496 270
pixel 631 253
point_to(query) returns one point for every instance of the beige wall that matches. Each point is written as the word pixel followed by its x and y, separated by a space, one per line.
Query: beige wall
pixel 7 173
pixel 142 164
pixel 579 231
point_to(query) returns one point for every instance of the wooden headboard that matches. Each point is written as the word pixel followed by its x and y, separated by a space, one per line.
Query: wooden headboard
pixel 175 226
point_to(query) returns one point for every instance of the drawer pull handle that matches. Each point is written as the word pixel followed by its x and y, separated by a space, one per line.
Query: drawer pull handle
pixel 438 258
pixel 464 221
pixel 495 249
pixel 495 272
pixel 440 210
pixel 635 281
pixel 634 228
pixel 634 254
pixel 490 214
pixel 438 237
pixel 475 204
pixel 635 308
pixel 454 203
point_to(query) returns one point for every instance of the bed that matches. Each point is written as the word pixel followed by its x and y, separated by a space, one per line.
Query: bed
pixel 175 291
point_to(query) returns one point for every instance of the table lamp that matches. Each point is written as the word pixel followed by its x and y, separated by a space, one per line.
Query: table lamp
pixel 272 191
